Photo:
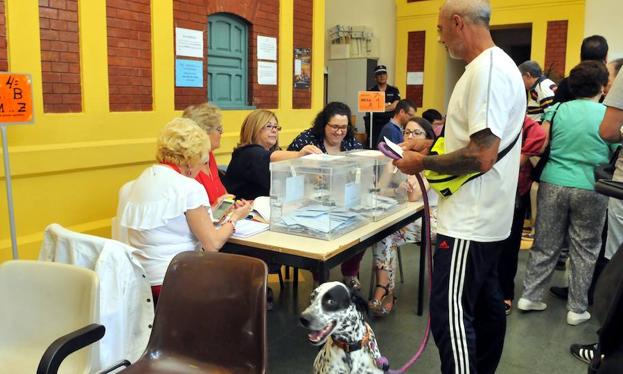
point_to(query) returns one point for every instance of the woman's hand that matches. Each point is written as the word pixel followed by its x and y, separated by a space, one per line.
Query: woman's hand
pixel 241 210
pixel 309 150
pixel 406 185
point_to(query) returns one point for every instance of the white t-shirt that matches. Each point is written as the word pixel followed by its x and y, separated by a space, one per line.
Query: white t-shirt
pixel 489 94
pixel 540 97
pixel 155 219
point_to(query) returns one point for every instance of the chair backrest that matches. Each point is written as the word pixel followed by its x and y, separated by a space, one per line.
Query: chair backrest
pixel 212 309
pixel 126 309
pixel 40 302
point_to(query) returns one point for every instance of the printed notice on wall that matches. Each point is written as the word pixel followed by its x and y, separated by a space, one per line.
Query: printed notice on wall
pixel 266 73
pixel 188 73
pixel 415 77
pixel 188 42
pixel 15 98
pixel 266 48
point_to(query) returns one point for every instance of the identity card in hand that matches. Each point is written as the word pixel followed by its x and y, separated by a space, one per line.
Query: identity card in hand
pixel 390 149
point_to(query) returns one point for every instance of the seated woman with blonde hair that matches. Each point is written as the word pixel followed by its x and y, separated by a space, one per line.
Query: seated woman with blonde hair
pixel 208 117
pixel 166 211
pixel 248 173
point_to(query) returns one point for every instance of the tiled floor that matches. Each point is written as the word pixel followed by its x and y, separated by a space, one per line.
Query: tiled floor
pixel 536 342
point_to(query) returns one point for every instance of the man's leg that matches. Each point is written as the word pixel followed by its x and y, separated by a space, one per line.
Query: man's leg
pixel 460 269
pixel 490 319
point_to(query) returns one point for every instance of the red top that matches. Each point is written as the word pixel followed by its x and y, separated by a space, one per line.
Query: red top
pixel 212 183
pixel 533 138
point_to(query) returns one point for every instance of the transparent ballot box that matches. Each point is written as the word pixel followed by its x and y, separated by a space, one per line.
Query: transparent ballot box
pixel 384 189
pixel 315 196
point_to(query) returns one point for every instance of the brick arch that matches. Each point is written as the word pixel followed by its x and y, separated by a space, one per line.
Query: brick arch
pixel 263 19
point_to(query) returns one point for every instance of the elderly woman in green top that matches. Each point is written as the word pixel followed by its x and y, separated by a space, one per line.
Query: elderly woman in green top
pixel 567 201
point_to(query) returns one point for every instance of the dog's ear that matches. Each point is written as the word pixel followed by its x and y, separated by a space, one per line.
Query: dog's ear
pixel 359 301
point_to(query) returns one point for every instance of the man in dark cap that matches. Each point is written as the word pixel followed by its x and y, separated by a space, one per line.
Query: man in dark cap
pixel 392 97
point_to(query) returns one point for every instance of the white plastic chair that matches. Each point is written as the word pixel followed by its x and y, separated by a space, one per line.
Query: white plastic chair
pixel 41 302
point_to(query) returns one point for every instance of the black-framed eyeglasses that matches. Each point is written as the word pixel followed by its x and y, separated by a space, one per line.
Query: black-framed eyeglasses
pixel 416 132
pixel 336 128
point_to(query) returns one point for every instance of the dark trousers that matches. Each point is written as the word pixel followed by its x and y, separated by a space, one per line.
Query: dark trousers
pixel 507 266
pixel 467 312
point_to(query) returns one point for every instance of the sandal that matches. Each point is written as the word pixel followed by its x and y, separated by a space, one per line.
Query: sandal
pixel 381 308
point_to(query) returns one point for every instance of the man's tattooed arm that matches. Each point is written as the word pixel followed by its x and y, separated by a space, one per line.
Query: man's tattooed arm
pixel 479 155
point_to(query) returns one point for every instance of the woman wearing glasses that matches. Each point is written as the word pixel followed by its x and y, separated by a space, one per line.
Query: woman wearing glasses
pixel 248 173
pixel 384 252
pixel 332 132
pixel 208 117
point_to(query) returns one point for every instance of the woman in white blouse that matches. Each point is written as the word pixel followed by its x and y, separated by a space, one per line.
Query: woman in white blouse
pixel 166 211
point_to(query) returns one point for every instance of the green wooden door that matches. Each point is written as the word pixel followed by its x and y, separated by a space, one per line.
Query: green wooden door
pixel 227 61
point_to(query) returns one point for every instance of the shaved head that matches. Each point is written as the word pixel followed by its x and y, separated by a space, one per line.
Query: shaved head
pixel 473 11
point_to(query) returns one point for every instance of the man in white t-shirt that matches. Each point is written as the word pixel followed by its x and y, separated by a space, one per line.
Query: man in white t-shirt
pixel 484 118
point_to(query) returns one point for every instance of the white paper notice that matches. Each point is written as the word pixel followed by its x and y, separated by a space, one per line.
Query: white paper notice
pixel 415 77
pixel 266 72
pixel 266 48
pixel 295 186
pixel 297 66
pixel 188 42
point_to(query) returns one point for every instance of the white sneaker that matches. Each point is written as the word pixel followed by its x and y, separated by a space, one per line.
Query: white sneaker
pixel 575 319
pixel 527 305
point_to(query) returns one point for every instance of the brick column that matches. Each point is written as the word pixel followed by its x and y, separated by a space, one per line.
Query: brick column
pixel 4 61
pixel 60 56
pixel 556 49
pixel 129 55
pixel 303 36
pixel 415 63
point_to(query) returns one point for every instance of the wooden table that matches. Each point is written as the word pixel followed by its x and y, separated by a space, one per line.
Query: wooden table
pixel 319 256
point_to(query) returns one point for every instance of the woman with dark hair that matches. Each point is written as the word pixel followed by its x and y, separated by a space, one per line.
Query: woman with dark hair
pixel 332 132
pixel 567 201
pixel 384 252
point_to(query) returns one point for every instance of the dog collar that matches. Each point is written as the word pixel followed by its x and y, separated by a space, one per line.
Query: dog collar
pixel 355 346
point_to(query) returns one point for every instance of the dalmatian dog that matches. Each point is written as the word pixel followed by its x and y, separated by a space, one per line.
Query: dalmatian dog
pixel 335 318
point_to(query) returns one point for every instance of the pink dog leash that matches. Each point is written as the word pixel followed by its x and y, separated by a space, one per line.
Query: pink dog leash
pixel 383 362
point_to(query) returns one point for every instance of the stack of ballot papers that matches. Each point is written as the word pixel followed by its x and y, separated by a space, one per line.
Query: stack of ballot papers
pixel 248 227
pixel 318 219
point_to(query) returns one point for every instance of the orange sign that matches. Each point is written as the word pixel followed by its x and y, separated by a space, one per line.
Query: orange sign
pixel 15 98
pixel 371 101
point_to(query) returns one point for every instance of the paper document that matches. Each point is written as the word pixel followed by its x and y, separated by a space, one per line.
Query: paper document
pixel 261 205
pixel 247 227
pixel 393 146
pixel 322 157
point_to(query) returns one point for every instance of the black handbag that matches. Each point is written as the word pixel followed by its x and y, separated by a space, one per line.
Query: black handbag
pixel 537 170
pixel 606 171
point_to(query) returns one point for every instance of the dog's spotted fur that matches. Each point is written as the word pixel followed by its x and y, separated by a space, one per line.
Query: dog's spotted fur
pixel 334 303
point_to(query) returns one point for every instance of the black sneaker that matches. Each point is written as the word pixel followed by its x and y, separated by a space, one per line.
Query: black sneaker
pixel 583 352
pixel 560 292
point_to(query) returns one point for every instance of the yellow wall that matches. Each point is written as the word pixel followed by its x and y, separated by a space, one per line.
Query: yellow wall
pixel 67 168
pixel 422 16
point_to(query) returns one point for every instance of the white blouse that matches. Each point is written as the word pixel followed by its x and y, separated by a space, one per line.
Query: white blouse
pixel 154 214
